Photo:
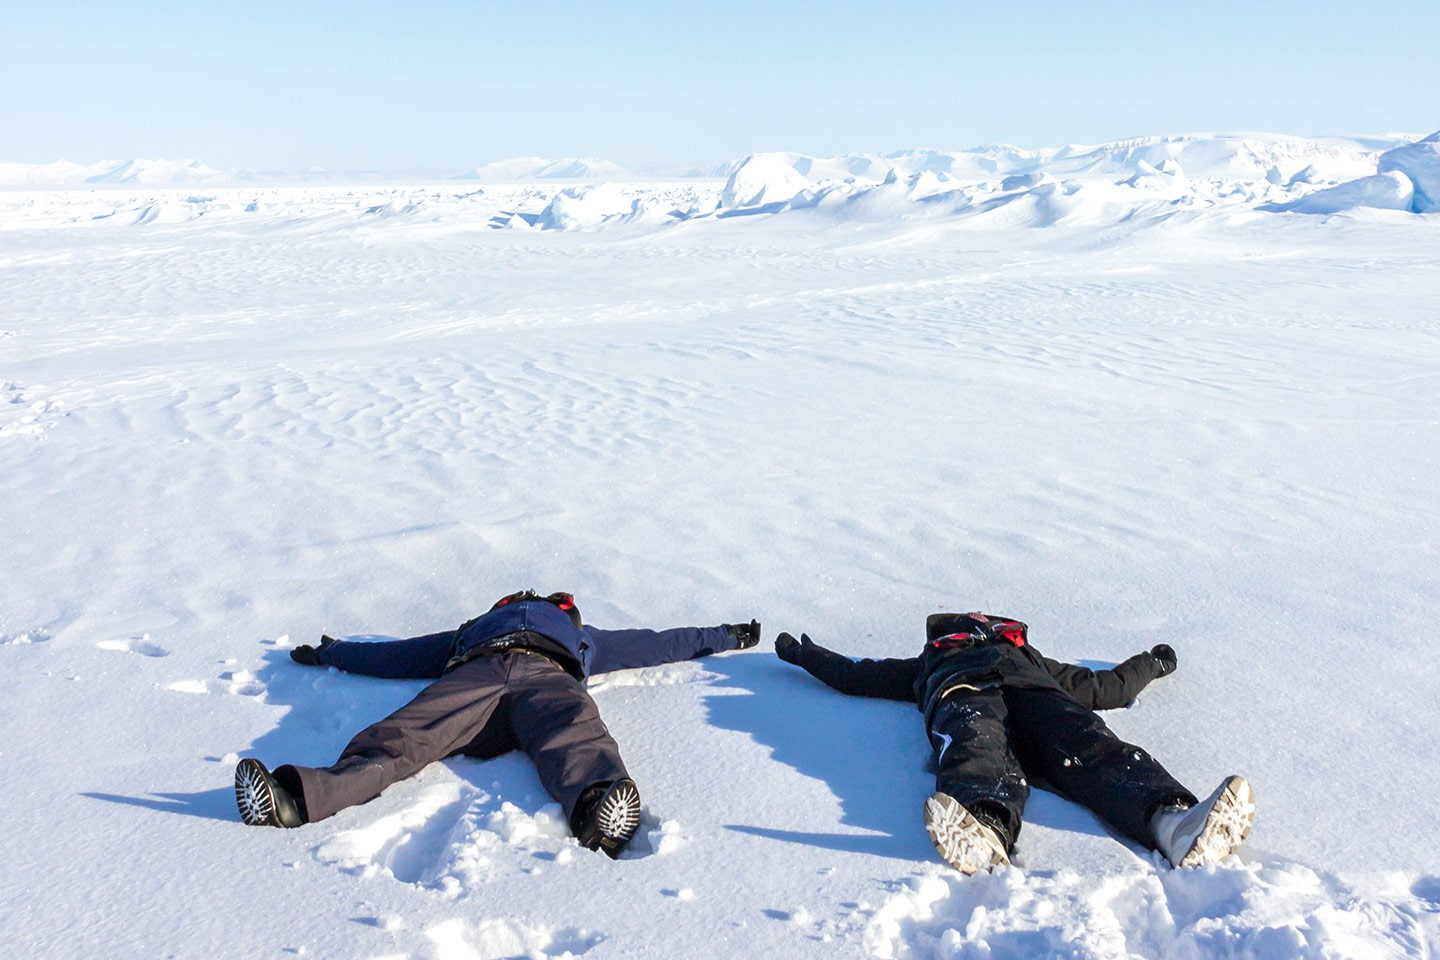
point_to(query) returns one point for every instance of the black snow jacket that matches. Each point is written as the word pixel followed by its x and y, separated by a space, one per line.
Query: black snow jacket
pixel 988 660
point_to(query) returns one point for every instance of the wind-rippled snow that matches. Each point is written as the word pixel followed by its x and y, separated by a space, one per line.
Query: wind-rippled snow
pixel 235 417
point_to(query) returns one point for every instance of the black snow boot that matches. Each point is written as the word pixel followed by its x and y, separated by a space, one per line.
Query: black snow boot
pixel 262 801
pixel 607 816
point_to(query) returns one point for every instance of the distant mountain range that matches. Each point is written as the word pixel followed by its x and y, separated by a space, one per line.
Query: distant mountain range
pixel 147 172
pixel 523 169
pixel 1239 156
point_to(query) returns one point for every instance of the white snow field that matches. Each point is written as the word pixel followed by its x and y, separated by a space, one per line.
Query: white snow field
pixel 1128 402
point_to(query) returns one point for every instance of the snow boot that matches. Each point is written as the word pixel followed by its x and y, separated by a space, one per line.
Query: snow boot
pixel 607 816
pixel 1207 832
pixel 964 842
pixel 262 801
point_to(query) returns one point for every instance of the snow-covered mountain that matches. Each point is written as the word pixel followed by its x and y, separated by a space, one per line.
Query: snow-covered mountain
pixel 1235 156
pixel 524 169
pixel 137 172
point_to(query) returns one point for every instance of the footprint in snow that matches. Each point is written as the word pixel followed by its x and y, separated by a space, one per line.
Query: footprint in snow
pixel 24 637
pixel 141 645
pixel 22 416
pixel 238 683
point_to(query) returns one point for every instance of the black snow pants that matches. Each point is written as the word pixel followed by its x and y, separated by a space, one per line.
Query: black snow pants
pixel 485 707
pixel 990 743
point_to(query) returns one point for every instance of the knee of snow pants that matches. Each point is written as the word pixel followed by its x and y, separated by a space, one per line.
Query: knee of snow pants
pixel 1072 750
pixel 973 757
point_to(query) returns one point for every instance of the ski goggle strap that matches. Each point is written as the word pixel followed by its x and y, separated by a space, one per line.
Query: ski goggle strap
pixel 516 597
pixel 564 601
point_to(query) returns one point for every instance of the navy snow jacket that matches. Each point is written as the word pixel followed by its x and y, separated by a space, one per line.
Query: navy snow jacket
pixel 542 626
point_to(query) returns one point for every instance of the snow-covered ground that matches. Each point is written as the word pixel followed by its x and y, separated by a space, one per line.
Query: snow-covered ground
pixel 1156 402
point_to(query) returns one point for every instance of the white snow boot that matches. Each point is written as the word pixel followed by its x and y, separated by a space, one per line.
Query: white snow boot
pixel 1209 831
pixel 964 842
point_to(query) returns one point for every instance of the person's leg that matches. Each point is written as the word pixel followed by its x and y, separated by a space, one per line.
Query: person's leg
pixel 1069 748
pixel 974 760
pixel 451 715
pixel 554 720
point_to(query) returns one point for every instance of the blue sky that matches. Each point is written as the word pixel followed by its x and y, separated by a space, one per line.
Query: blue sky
pixel 439 87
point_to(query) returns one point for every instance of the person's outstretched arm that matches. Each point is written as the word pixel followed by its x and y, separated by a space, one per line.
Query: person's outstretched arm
pixel 892 679
pixel 418 658
pixel 1108 689
pixel 625 649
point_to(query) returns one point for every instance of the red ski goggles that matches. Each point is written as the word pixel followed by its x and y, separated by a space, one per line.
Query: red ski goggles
pixel 1012 631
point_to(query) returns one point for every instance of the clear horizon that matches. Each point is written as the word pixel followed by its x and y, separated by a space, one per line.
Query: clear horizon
pixel 370 87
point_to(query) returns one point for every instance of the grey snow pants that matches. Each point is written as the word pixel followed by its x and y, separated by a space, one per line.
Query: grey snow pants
pixel 485 707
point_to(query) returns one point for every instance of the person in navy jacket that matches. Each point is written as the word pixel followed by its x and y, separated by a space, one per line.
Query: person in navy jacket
pixel 511 678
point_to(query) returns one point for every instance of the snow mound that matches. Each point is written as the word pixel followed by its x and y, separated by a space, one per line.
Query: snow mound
pixel 1384 191
pixel 584 208
pixel 1248 156
pixel 761 180
pixel 461 939
pixel 1261 910
pixel 1420 162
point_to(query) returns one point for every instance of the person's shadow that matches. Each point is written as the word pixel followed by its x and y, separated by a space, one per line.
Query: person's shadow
pixel 327 708
pixel 872 754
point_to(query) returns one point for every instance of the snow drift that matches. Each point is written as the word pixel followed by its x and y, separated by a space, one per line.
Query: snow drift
pixel 764 179
pixel 1420 163
pixel 1384 191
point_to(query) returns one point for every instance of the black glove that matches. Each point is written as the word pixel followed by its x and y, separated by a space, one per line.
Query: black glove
pixel 789 649
pixel 308 655
pixel 746 634
pixel 1164 654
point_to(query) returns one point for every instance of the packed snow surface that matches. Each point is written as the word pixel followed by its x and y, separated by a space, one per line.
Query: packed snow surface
pixel 1154 405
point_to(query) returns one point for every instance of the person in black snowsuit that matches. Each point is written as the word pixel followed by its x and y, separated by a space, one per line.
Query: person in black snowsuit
pixel 1001 716
pixel 512 678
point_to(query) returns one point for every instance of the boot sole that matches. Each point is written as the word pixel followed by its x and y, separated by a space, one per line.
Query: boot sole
pixel 962 841
pixel 616 818
pixel 255 795
pixel 1227 825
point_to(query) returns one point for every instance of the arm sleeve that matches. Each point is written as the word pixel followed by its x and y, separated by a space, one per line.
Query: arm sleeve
pixel 418 658
pixel 624 649
pixel 891 679
pixel 1105 689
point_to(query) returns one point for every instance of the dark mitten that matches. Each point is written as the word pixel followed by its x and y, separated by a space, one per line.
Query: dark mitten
pixel 308 655
pixel 789 649
pixel 1165 655
pixel 746 634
